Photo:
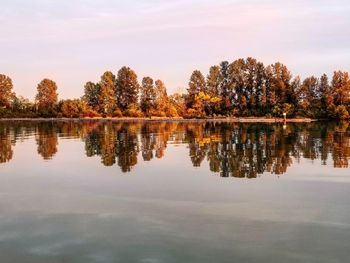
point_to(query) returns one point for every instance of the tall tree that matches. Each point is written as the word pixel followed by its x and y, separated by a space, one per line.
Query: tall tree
pixel 224 89
pixel 326 96
pixel 255 84
pixel 107 99
pixel 308 94
pixel 196 84
pixel 213 81
pixel 127 88
pixel 162 101
pixel 279 85
pixel 46 97
pixel 148 95
pixel 92 95
pixel 324 90
pixel 341 87
pixel 237 87
pixel 5 90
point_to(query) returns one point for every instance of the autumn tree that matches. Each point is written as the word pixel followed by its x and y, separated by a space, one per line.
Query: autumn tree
pixel 92 95
pixel 237 93
pixel 325 89
pixel 213 81
pixel 162 103
pixel 195 85
pixel 22 105
pixel 107 99
pixel 280 90
pixel 341 87
pixel 225 88
pixel 247 82
pixel 255 83
pixel 73 108
pixel 213 86
pixel 326 97
pixel 127 88
pixel 148 96
pixel 177 101
pixel 46 97
pixel 6 93
pixel 308 95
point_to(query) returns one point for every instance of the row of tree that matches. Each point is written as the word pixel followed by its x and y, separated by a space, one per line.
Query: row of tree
pixel 244 87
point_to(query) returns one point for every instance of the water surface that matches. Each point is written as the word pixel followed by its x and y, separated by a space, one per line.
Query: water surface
pixel 174 192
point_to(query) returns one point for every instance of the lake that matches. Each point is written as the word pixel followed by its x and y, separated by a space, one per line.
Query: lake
pixel 174 192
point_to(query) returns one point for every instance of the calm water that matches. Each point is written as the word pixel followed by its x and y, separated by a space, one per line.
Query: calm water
pixel 174 192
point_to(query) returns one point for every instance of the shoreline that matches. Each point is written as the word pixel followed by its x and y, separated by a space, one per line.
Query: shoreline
pixel 155 119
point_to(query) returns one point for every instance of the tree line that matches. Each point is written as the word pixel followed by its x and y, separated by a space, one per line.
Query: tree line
pixel 242 88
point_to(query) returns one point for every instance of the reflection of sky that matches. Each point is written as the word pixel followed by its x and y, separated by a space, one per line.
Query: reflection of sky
pixel 74 208
pixel 75 41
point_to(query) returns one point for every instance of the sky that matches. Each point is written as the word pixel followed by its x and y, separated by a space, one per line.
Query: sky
pixel 75 41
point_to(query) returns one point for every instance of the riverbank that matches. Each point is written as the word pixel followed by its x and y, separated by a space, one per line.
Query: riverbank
pixel 125 119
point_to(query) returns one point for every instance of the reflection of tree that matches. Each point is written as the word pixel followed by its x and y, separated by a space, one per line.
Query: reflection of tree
pixel 154 138
pixel 242 150
pixel 108 145
pixel 197 143
pixel 47 140
pixel 114 141
pixel 230 149
pixel 318 140
pixel 127 147
pixel 6 151
pixel 92 143
pixel 101 141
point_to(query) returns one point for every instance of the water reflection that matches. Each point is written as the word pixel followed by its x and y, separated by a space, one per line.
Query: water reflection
pixel 231 149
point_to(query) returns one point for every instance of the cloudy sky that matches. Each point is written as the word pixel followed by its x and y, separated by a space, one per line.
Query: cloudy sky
pixel 73 41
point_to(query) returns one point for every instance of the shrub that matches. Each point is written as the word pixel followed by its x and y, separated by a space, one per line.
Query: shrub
pixel 117 113
pixel 91 114
pixel 134 111
pixel 341 112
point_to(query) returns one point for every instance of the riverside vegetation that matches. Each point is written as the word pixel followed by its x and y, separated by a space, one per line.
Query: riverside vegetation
pixel 243 88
